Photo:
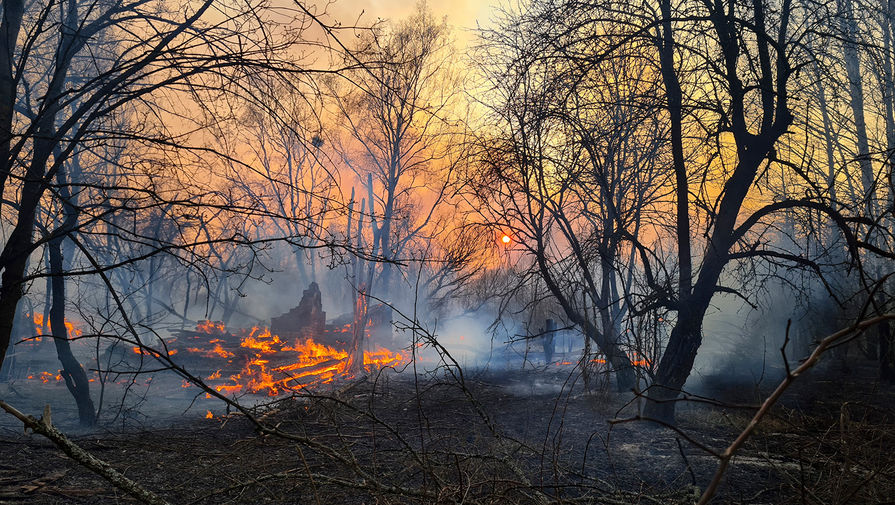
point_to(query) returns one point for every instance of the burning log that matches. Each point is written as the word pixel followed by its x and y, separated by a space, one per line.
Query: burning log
pixel 297 371
pixel 259 361
pixel 299 348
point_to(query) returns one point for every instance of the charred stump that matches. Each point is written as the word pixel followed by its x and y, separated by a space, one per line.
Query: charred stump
pixel 307 320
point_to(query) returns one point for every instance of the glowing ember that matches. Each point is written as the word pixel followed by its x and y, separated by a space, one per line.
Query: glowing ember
pixel 635 361
pixel 216 351
pixel 47 377
pixel 210 327
pixel 147 352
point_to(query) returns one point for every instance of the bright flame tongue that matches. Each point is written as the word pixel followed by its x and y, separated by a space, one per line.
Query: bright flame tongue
pixel 38 319
pixel 273 366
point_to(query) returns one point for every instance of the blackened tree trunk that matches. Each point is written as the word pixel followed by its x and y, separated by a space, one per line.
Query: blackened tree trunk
pixel 753 149
pixel 10 24
pixel 19 246
pixel 355 362
pixel 886 353
pixel 676 364
pixel 549 344
pixel 46 136
pixel 72 371
pixel 617 359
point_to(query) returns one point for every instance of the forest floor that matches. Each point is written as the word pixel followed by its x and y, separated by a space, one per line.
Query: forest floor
pixel 506 437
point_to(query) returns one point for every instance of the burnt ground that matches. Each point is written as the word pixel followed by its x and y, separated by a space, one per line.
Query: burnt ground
pixel 507 437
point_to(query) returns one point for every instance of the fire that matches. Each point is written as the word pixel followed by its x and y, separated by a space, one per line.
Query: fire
pixel 312 360
pixel 216 351
pixel 209 415
pixel 211 327
pixel 38 320
pixel 47 377
pixel 260 339
pixel 636 360
pixel 382 358
pixel 273 365
pixel 256 361
pixel 147 352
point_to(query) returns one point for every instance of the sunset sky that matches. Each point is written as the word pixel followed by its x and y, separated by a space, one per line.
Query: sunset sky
pixel 462 14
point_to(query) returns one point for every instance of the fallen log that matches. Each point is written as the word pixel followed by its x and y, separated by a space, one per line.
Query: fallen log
pixel 44 426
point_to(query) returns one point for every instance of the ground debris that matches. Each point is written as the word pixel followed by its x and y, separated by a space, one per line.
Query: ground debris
pixel 376 440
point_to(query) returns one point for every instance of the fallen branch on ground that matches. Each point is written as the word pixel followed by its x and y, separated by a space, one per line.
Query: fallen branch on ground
pixel 44 426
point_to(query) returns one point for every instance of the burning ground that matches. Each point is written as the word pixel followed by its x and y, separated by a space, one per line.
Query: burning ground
pixel 305 351
pixel 303 426
pixel 501 436
pixel 255 361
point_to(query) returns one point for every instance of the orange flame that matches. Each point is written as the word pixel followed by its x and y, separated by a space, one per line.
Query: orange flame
pixel 216 351
pixel 211 327
pixel 147 352
pixel 310 363
pixel 260 339
pixel 38 320
pixel 636 360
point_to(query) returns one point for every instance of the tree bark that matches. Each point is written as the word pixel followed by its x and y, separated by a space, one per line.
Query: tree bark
pixel 10 25
pixel 356 349
pixel 856 94
pixel 752 150
pixel 676 364
pixel 72 371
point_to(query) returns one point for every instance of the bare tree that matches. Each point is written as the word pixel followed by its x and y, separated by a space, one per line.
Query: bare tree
pixel 402 127
pixel 576 167
pixel 729 85
pixel 401 119
pixel 132 90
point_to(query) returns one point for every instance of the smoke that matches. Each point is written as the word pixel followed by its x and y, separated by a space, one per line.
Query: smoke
pixel 743 343
pixel 740 345
pixel 469 340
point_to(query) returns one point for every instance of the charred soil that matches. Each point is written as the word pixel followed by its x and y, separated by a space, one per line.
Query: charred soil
pixel 495 437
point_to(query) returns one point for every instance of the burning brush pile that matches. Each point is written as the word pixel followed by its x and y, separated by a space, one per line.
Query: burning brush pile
pixel 299 349
pixel 256 361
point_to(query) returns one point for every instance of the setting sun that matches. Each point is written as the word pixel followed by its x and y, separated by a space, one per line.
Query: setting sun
pixel 505 239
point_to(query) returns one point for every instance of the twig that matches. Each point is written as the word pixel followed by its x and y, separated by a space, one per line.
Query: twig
pixel 812 360
pixel 686 461
pixel 44 426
